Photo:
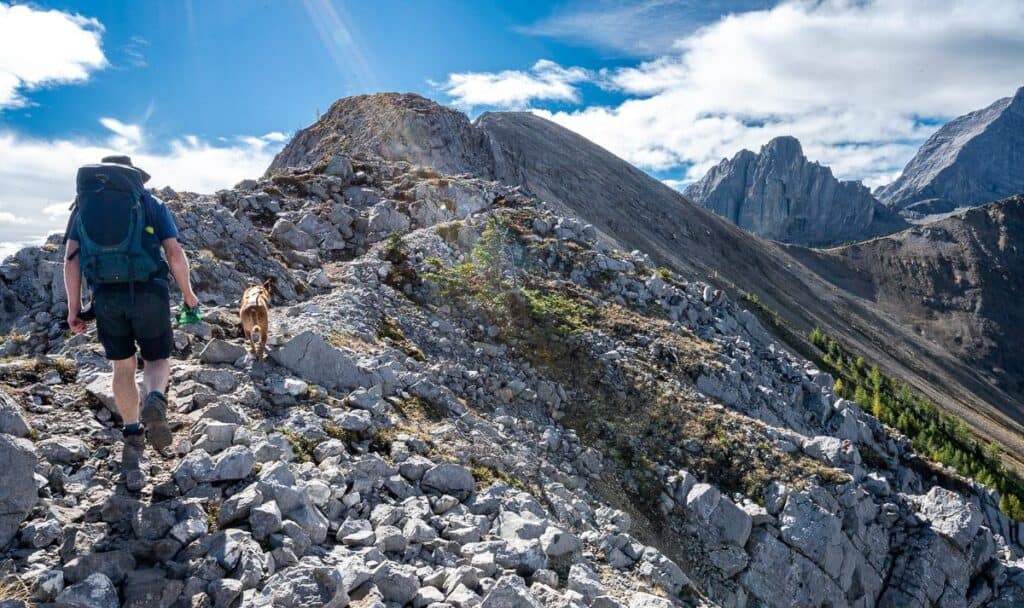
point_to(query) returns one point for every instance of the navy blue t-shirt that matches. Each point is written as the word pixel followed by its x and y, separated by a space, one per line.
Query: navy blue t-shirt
pixel 159 227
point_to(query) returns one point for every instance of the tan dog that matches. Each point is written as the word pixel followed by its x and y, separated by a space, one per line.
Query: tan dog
pixel 255 315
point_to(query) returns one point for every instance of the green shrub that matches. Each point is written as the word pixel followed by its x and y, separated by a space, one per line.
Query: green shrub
pixel 490 280
pixel 564 315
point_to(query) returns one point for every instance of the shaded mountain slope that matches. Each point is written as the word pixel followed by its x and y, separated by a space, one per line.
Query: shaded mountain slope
pixel 778 194
pixel 957 280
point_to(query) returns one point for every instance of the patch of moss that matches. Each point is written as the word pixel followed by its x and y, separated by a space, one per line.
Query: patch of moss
pixel 336 432
pixel 383 440
pixel 273 191
pixel 417 409
pixel 486 475
pixel 389 330
pixel 212 515
pixel 449 231
pixel 302 446
pixel 341 339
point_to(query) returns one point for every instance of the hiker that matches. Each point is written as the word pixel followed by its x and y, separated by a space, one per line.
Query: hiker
pixel 114 239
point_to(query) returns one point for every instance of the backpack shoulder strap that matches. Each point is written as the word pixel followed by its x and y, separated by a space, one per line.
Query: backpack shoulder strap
pixel 147 201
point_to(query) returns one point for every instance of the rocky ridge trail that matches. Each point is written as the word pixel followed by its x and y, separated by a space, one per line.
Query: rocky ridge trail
pixel 472 399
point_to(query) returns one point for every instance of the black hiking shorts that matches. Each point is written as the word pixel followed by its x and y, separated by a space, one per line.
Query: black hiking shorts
pixel 124 319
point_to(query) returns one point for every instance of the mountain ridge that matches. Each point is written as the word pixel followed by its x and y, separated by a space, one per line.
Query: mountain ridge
pixel 639 212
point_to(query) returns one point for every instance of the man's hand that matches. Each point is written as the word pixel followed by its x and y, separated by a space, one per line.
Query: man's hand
pixel 77 325
pixel 190 299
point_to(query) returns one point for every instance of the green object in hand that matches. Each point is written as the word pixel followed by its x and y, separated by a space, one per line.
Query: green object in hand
pixel 188 315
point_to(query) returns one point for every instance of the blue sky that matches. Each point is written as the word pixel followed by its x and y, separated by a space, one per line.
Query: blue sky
pixel 216 68
pixel 205 92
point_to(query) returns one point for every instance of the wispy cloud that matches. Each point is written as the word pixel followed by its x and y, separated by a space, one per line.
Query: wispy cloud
pixel 636 27
pixel 545 81
pixel 133 52
pixel 40 48
pixel 851 79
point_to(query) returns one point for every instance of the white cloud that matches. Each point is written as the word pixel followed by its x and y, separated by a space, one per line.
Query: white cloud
pixel 37 176
pixel 675 184
pixel 127 137
pixel 275 136
pixel 40 48
pixel 545 81
pixel 852 79
pixel 7 217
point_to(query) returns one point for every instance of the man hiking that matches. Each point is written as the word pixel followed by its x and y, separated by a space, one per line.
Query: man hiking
pixel 114 239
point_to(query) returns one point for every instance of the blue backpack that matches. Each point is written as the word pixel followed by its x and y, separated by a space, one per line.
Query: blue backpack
pixel 111 221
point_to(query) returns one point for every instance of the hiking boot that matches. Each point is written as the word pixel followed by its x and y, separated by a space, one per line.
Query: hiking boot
pixel 131 458
pixel 154 418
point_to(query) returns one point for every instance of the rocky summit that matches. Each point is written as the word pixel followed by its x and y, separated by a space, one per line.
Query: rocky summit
pixel 780 195
pixel 473 398
pixel 971 160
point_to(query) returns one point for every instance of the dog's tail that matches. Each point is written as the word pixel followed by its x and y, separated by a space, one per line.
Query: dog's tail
pixel 257 334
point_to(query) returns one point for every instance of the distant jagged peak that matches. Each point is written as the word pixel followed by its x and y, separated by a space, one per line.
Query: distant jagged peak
pixel 971 160
pixel 392 126
pixel 784 147
pixel 777 193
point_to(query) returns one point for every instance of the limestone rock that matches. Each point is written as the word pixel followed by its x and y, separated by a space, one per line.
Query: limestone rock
pixel 304 586
pixel 509 592
pixel 96 591
pixel 813 531
pixel 731 523
pixel 221 351
pixel 422 132
pixel 951 515
pixel 63 450
pixel 12 418
pixel 312 358
pixel 18 492
pixel 646 600
pixel 451 479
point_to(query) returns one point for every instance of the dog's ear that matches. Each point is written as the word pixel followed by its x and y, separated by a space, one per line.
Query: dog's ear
pixel 266 285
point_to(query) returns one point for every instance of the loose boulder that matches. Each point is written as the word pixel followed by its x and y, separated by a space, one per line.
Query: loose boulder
pixel 18 493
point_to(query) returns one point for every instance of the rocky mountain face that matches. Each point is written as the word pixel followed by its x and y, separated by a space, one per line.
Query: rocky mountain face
pixel 958 280
pixel 778 194
pixel 474 398
pixel 974 159
pixel 393 127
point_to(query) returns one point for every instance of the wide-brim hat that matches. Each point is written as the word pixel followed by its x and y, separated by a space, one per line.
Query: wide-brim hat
pixel 124 159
